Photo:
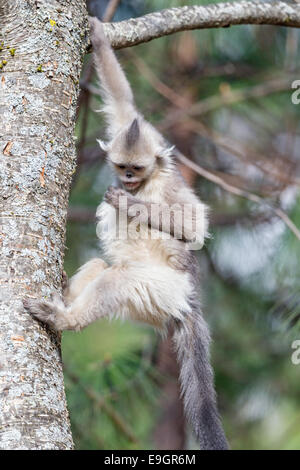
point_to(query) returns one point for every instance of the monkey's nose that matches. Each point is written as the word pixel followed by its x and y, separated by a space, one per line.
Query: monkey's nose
pixel 129 174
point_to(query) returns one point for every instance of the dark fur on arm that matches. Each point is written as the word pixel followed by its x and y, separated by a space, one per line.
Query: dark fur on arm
pixel 156 216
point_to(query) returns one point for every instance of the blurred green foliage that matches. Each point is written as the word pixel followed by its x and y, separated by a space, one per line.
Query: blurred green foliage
pixel 250 266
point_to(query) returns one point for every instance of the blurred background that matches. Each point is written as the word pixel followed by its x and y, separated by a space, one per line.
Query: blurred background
pixel 223 96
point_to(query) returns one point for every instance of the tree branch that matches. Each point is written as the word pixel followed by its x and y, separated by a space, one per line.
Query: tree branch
pixel 100 402
pixel 110 10
pixel 211 103
pixel 162 23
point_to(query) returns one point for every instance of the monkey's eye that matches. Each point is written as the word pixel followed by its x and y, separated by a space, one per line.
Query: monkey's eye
pixel 122 167
pixel 137 168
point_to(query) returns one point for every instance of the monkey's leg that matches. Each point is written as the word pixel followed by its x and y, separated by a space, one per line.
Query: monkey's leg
pixel 85 274
pixel 133 291
pixel 47 311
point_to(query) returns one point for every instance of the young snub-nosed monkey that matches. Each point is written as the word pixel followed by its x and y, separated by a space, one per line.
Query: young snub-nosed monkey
pixel 151 275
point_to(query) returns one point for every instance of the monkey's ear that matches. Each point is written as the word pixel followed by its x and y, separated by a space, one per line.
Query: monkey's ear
pixel 103 145
pixel 164 155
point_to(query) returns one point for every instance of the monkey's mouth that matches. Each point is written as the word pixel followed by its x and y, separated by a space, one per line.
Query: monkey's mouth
pixel 132 186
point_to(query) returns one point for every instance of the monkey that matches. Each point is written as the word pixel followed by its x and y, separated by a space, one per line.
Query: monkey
pixel 151 273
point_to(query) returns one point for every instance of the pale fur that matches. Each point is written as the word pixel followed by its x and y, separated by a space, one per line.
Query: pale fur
pixel 149 280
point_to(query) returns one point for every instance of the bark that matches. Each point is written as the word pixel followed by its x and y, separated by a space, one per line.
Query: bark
pixel 42 43
pixel 169 21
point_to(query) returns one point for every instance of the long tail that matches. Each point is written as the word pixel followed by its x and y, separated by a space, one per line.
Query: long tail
pixel 192 340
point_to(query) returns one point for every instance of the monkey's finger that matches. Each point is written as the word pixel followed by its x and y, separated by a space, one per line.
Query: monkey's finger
pixel 109 194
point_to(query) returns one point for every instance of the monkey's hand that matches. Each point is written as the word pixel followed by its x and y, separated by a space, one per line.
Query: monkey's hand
pixel 97 34
pixel 118 198
pixel 52 312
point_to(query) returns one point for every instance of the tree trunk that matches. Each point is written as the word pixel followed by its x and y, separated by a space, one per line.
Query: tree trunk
pixel 41 47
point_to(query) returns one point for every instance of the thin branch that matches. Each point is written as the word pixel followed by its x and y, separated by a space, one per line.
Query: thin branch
pixel 244 153
pixel 100 403
pixel 81 214
pixel 227 99
pixel 238 192
pixel 156 83
pixel 110 10
pixel 162 23
pixel 224 219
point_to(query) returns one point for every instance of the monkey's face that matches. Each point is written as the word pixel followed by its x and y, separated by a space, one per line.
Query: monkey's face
pixel 132 169
pixel 134 154
pixel 130 174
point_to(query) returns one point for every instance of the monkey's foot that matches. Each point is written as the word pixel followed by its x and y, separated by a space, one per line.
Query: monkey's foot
pixel 53 313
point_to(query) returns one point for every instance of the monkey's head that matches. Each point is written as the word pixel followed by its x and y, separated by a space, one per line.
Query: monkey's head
pixel 136 153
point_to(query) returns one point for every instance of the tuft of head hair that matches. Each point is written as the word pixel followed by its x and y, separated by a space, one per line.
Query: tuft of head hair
pixel 133 134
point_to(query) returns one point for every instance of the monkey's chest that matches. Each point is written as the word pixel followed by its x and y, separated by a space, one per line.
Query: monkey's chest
pixel 124 239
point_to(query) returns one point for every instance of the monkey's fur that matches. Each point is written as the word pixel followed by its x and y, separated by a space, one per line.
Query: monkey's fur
pixel 153 280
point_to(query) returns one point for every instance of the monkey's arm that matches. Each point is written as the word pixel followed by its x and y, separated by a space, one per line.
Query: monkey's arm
pixel 182 216
pixel 116 92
